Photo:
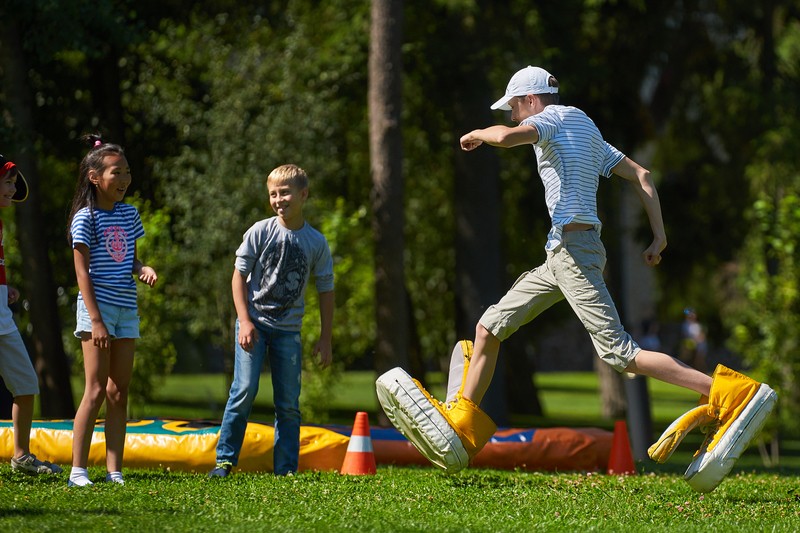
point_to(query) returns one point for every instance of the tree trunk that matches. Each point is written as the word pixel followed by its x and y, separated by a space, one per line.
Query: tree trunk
pixel 46 344
pixel 612 391
pixel 105 97
pixel 386 155
pixel 522 394
pixel 479 264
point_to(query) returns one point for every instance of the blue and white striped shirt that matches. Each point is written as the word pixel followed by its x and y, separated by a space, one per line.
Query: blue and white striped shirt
pixel 571 155
pixel 111 238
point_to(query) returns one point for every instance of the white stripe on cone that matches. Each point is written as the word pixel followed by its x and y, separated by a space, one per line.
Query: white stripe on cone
pixel 359 444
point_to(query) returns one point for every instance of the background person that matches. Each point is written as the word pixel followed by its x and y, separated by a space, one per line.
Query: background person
pixel 650 335
pixel 693 348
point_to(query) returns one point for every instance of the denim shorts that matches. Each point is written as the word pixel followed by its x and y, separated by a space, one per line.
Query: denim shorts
pixel 121 322
pixel 16 367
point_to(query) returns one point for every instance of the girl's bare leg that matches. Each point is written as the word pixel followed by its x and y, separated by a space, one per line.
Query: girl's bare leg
pixel 119 379
pixel 96 368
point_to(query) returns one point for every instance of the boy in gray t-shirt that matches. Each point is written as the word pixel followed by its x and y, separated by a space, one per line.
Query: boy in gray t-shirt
pixel 273 264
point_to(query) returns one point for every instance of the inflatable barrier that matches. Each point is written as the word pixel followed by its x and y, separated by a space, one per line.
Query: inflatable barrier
pixel 179 445
pixel 561 449
pixel 190 446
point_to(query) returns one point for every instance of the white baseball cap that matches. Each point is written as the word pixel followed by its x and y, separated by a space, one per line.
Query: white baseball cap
pixel 530 80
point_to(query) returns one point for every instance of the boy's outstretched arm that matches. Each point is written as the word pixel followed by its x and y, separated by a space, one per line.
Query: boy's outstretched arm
pixel 642 182
pixel 324 346
pixel 499 135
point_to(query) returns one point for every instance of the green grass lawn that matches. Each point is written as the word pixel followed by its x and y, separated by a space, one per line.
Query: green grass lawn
pixel 399 500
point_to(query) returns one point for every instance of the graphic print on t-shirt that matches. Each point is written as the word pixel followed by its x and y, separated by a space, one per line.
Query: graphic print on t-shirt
pixel 116 240
pixel 285 268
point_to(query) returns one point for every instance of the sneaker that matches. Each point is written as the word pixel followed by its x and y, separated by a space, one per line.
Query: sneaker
pixel 71 483
pixel 115 478
pixel 29 464
pixel 54 468
pixel 221 470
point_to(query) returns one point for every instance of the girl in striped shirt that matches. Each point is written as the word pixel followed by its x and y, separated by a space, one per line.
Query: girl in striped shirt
pixel 103 232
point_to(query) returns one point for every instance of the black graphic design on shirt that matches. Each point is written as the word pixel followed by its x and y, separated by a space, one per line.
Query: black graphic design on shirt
pixel 285 268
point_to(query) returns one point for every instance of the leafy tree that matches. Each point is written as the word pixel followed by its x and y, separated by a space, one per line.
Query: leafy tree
pixel 156 353
pixel 236 112
pixel 208 98
pixel 27 30
pixel 763 305
pixel 355 327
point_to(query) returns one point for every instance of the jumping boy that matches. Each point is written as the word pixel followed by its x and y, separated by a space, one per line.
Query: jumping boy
pixel 571 156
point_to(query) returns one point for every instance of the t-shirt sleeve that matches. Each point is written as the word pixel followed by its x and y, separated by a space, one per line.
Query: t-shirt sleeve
pixel 611 159
pixel 247 253
pixel 323 268
pixel 81 229
pixel 547 124
pixel 138 227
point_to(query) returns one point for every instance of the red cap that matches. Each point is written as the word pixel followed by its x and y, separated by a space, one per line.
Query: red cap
pixel 22 186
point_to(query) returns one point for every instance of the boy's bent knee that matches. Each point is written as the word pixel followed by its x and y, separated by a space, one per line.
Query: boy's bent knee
pixel 482 333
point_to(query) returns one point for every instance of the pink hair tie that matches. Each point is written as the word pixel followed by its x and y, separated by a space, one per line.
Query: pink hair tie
pixel 97 143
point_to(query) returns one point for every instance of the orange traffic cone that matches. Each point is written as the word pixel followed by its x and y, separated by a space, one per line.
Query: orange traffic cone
pixel 621 459
pixel 359 459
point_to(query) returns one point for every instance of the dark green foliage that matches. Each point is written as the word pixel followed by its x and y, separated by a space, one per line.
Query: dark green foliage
pixel 209 97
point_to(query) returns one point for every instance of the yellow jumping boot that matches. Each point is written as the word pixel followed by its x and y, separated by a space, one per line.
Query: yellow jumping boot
pixel 449 434
pixel 736 410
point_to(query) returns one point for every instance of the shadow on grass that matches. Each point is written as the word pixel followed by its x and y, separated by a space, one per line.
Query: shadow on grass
pixel 679 468
pixel 32 511
pixel 19 478
pixel 24 512
pixel 749 462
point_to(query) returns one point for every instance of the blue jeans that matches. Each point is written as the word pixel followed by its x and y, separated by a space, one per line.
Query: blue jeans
pixel 285 352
